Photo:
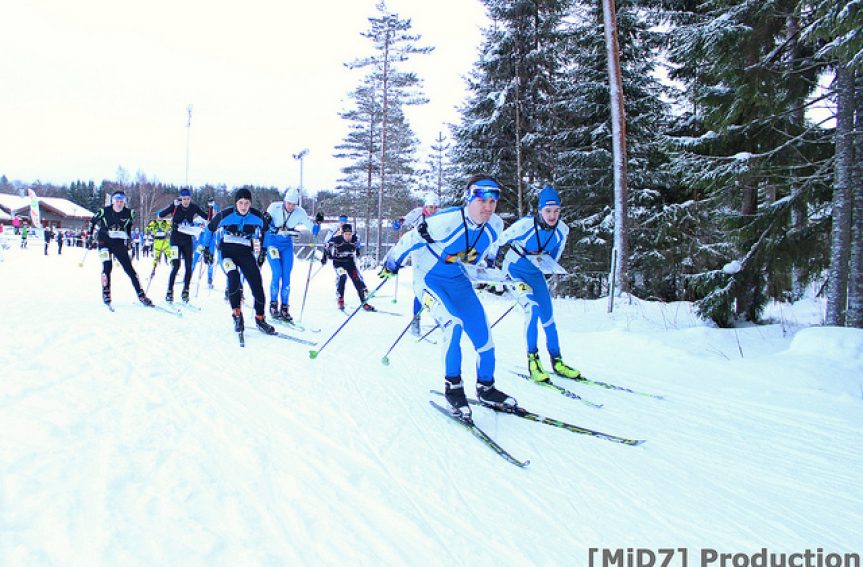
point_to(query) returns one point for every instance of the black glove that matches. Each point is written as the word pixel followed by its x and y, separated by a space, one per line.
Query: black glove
pixel 319 218
pixel 208 256
pixel 262 257
pixel 324 259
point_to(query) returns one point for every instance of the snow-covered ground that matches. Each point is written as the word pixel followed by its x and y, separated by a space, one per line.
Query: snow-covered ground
pixel 139 438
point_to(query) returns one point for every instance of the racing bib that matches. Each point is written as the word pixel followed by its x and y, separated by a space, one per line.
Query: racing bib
pixel 273 252
pixel 118 234
pixel 228 265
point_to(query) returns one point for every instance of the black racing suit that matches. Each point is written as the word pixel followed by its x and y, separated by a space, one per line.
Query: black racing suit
pixel 182 239
pixel 112 231
pixel 343 253
pixel 237 252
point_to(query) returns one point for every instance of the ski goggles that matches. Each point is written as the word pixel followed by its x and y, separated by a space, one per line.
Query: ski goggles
pixel 484 192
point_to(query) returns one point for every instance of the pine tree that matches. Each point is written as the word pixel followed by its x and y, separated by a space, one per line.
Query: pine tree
pixel 394 88
pixel 508 123
pixel 750 159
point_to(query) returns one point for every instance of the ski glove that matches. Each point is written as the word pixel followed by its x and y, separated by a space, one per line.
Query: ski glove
pixel 389 270
pixel 207 255
pixel 262 256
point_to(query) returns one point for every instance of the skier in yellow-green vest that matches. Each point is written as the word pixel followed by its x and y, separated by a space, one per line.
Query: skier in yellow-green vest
pixel 161 231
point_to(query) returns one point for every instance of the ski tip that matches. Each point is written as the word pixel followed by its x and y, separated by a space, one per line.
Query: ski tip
pixel 313 354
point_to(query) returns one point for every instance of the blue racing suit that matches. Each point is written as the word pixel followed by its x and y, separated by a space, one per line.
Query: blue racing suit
pixel 279 243
pixel 451 239
pixel 529 236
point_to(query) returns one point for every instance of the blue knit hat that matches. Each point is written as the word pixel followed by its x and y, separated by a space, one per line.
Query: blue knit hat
pixel 548 196
pixel 185 193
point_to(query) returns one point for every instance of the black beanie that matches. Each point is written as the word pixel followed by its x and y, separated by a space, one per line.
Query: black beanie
pixel 242 193
pixel 347 228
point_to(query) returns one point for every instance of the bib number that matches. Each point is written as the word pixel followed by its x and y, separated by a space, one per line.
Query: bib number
pixel 273 252
pixel 228 265
pixel 104 254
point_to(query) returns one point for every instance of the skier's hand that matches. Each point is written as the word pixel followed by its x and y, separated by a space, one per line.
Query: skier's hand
pixel 207 255
pixel 324 259
pixel 389 270
pixel 262 256
pixel 319 218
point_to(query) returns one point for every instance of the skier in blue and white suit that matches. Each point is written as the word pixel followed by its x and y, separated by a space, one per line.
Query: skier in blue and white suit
pixel 285 219
pixel 240 228
pixel 526 239
pixel 450 238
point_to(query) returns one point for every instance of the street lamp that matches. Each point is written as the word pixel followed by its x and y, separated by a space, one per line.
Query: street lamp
pixel 300 156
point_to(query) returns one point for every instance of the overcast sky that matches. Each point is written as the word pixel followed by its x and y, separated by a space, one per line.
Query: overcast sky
pixel 87 86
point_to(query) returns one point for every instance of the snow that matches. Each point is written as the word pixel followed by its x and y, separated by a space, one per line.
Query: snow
pixel 67 207
pixel 139 438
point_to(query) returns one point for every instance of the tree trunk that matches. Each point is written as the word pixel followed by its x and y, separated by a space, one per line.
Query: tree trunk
pixel 855 264
pixel 837 294
pixel 383 146
pixel 747 280
pixel 618 134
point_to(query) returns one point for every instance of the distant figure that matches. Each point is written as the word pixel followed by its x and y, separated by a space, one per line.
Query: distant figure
pixel 47 236
pixel 24 237
pixel 60 237
pixel 16 224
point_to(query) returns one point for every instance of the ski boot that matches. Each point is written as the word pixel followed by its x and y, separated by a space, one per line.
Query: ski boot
pixel 563 369
pixel 263 326
pixel 284 315
pixel 454 394
pixel 341 303
pixel 274 309
pixel 169 297
pixel 106 295
pixel 209 284
pixel 368 307
pixel 144 299
pixel 491 396
pixel 184 295
pixel 237 314
pixel 537 374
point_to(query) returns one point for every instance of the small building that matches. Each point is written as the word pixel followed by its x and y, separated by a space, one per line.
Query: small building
pixel 54 211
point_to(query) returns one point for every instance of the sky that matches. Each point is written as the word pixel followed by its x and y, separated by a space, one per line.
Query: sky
pixel 93 85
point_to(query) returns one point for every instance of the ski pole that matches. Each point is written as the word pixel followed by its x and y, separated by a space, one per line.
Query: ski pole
pixel 84 257
pixel 308 279
pixel 386 358
pixel 200 274
pixel 505 313
pixel 396 292
pixel 150 280
pixel 314 353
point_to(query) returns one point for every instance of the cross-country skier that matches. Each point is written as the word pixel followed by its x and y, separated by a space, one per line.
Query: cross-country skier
pixel 343 248
pixel 527 239
pixel 455 236
pixel 417 219
pixel 110 232
pixel 159 230
pixel 182 213
pixel 241 228
pixel 285 219
pixel 212 209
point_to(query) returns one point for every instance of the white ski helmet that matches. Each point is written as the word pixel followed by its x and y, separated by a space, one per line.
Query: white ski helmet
pixel 431 200
pixel 292 196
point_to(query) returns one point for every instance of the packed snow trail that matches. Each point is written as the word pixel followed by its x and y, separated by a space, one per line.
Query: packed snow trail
pixel 137 438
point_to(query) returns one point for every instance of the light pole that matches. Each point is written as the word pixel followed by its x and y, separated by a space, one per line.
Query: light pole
pixel 188 137
pixel 301 156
